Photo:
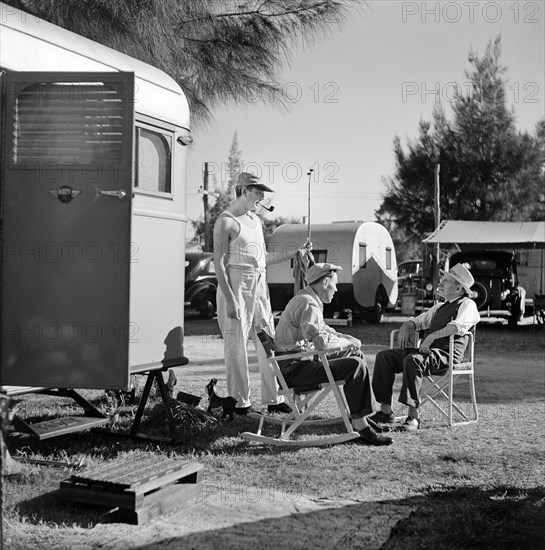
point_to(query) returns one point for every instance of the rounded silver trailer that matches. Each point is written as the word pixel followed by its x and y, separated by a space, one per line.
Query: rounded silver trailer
pixel 365 250
pixel 93 214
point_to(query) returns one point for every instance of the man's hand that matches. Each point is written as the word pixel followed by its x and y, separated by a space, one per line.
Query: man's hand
pixel 406 335
pixel 233 311
pixel 426 343
pixel 354 342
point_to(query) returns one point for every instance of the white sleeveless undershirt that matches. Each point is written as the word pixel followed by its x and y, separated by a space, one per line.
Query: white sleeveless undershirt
pixel 248 247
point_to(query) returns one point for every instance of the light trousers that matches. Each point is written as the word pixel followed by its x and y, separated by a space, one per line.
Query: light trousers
pixel 252 295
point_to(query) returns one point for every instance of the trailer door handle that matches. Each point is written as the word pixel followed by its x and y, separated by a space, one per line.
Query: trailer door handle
pixel 121 194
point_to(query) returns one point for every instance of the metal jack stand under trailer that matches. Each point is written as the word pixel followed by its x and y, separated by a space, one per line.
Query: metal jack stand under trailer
pixel 152 375
pixel 92 417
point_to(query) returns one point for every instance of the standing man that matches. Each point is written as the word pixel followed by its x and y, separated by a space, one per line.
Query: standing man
pixel 457 315
pixel 302 325
pixel 243 302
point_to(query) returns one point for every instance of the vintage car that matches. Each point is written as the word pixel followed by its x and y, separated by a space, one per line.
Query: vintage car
pixel 496 289
pixel 200 283
pixel 413 278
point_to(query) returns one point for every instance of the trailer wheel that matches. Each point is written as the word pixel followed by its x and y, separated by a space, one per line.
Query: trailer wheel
pixel 374 315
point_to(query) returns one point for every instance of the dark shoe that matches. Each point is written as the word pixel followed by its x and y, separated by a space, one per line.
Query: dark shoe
pixel 376 427
pixel 243 410
pixel 370 436
pixel 411 424
pixel 279 408
pixel 382 418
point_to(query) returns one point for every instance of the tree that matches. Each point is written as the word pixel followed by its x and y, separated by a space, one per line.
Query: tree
pixel 489 171
pixel 234 165
pixel 218 52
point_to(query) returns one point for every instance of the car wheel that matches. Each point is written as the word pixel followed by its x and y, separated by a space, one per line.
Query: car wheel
pixel 207 309
pixel 481 295
pixel 374 314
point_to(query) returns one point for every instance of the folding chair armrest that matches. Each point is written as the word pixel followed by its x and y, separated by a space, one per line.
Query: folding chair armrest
pixel 393 338
pixel 309 353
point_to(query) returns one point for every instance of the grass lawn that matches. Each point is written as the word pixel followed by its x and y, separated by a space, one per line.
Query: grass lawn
pixel 475 486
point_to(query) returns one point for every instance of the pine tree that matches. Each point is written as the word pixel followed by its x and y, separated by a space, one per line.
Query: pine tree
pixel 234 165
pixel 218 52
pixel 489 171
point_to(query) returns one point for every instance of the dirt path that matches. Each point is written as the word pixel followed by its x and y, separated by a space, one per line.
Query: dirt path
pixel 223 521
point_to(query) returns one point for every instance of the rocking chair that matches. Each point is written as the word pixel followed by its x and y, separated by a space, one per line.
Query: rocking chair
pixel 303 401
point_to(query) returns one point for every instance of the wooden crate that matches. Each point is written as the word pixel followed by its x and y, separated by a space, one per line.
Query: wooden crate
pixel 140 488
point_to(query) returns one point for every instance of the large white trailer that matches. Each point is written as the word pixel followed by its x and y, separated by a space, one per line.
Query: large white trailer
pixel 93 210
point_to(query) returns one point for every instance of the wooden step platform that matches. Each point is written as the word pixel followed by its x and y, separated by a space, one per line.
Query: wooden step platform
pixel 141 488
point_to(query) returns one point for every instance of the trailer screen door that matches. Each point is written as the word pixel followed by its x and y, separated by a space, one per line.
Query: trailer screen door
pixel 66 212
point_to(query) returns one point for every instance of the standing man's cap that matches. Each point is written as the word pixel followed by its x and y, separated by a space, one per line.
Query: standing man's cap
pixel 245 179
pixel 317 271
pixel 461 275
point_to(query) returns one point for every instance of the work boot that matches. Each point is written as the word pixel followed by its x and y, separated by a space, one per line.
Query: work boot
pixel 371 437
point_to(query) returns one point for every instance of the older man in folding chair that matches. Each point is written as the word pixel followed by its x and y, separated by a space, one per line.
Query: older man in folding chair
pixel 302 324
pixel 457 315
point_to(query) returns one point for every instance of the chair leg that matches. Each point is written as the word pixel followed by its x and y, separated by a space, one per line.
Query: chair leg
pixel 445 388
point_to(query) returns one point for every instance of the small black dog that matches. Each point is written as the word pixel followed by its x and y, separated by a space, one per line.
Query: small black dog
pixel 214 401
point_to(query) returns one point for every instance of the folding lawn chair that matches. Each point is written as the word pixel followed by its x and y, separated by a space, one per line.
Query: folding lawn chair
pixel 303 401
pixel 440 388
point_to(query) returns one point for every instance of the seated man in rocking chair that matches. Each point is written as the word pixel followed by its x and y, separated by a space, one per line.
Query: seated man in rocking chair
pixel 301 324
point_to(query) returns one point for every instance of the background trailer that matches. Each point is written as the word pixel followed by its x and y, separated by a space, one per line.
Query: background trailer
pixel 365 250
pixel 93 210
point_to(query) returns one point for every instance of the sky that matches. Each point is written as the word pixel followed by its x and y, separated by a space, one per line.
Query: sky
pixel 351 92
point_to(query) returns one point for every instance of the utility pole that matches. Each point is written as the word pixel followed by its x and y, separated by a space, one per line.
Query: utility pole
pixel 437 216
pixel 207 240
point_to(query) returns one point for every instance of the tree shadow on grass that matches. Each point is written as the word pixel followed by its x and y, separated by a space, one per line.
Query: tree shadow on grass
pixel 470 517
pixel 500 518
pixel 450 518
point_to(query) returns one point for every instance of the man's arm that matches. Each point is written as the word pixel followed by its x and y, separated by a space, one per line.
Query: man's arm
pixel 223 231
pixel 407 332
pixel 466 318
pixel 441 333
pixel 314 330
pixel 275 257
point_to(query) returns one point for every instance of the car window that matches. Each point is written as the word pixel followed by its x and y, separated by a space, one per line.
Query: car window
pixel 480 263
pixel 409 268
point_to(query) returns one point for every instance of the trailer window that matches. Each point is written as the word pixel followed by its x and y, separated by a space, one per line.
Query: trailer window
pixel 363 255
pixel 320 256
pixel 68 123
pixel 388 258
pixel 154 154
